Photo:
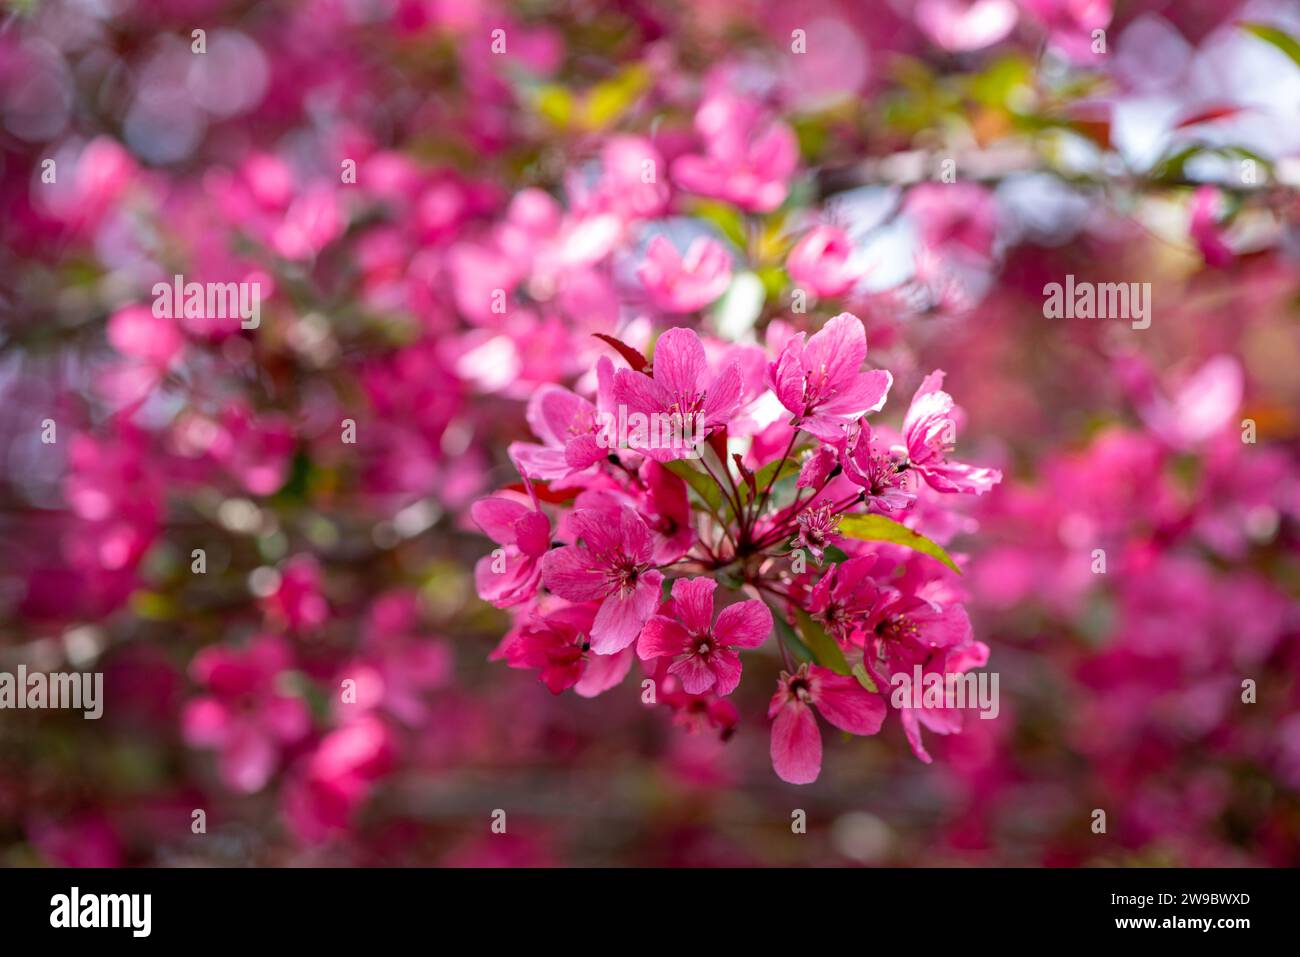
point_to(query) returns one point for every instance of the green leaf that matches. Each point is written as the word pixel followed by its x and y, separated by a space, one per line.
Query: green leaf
pixel 704 486
pixel 1283 41
pixel 834 555
pixel 768 475
pixel 864 678
pixel 825 649
pixel 727 219
pixel 787 634
pixel 878 528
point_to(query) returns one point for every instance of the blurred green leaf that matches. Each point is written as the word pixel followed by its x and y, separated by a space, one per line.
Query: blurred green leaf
pixel 787 634
pixel 825 649
pixel 864 678
pixel 1269 34
pixel 768 474
pixel 727 219
pixel 878 528
pixel 704 486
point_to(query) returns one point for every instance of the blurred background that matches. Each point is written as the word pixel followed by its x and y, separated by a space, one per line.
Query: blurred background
pixel 197 527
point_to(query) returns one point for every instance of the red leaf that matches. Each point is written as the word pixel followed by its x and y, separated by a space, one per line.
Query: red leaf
pixel 718 442
pixel 1209 115
pixel 746 474
pixel 544 493
pixel 637 361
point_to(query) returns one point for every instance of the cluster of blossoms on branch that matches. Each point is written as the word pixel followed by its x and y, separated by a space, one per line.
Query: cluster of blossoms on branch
pixel 613 546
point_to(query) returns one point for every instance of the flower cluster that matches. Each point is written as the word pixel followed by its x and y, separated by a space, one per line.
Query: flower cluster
pixel 613 550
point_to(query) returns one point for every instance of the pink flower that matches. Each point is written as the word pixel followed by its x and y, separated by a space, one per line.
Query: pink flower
pixel 667 511
pixel 909 631
pixel 929 432
pixel 748 159
pixel 509 576
pixel 961 25
pixel 400 663
pixel 677 283
pixel 844 596
pixel 820 261
pixel 569 429
pixel 329 787
pixel 311 223
pixel 703 653
pixel 694 712
pixel 256 449
pixel 243 715
pixel 817 527
pixel 623 188
pixel 297 601
pixel 681 393
pixel 817 467
pixel 611 564
pixel 1070 23
pixel 882 476
pixel 960 218
pixel 821 382
pixel 558 646
pixel 136 332
pixel 796 741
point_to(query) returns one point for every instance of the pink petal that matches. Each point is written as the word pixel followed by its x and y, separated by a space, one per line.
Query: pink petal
pixel 724 396
pixel 726 667
pixel 638 543
pixel 786 376
pixel 553 412
pixel 662 638
pixel 959 477
pixel 846 704
pixel 539 462
pixel 497 517
pixel 639 393
pixel 205 722
pixel 679 363
pixel 598 533
pixel 603 672
pixel 693 599
pixel 836 352
pixel 864 393
pixel 796 747
pixel 571 573
pixel 745 624
pixel 696 675
pixel 247 761
pixel 533 534
pixel 582 451
pixel 622 616
pixel 913 731
pixel 516 582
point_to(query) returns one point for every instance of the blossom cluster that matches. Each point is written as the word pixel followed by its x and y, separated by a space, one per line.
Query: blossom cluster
pixel 614 550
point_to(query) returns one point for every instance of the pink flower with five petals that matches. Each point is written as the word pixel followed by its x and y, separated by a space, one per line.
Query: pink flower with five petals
pixel 611 564
pixel 680 392
pixel 704 651
pixel 821 381
pixel 796 740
